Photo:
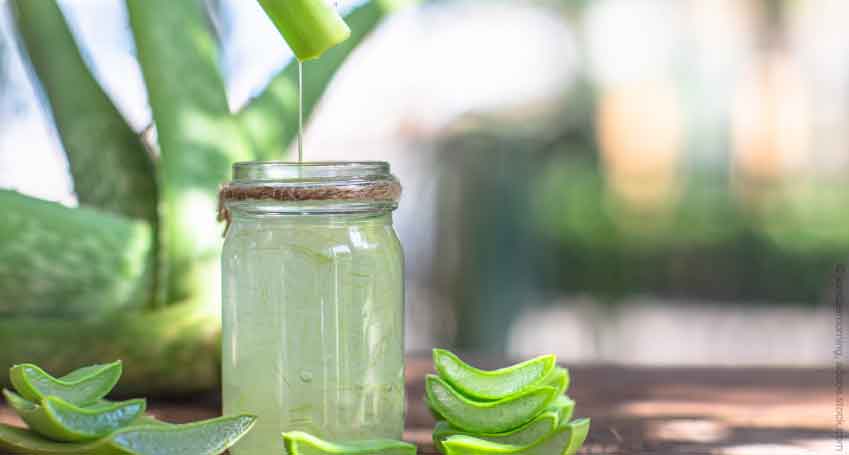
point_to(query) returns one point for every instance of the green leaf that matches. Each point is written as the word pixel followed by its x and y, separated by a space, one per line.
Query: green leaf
pixel 110 166
pixel 199 140
pixel 310 27
pixel 271 119
pixel 61 421
pixel 77 263
pixel 82 386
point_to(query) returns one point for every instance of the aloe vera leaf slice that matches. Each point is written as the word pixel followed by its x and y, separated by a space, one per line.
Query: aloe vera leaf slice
pixel 300 443
pixel 81 387
pixel 537 428
pixel 310 27
pixel 60 421
pixel 209 437
pixel 487 416
pixel 495 384
pixel 565 440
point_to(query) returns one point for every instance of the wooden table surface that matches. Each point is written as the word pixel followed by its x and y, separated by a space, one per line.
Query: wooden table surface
pixel 669 411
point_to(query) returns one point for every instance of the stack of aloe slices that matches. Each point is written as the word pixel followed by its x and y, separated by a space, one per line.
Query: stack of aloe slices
pixel 69 415
pixel 521 409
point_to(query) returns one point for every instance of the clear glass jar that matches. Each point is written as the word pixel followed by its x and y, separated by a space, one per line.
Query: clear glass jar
pixel 313 302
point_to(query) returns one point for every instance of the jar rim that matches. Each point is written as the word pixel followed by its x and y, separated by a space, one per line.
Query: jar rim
pixel 293 171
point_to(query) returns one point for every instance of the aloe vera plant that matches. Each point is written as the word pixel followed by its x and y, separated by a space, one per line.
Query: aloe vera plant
pixel 127 275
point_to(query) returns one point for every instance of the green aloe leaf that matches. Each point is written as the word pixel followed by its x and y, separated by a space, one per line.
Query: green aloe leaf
pixel 173 351
pixel 487 416
pixel 300 443
pixel 565 440
pixel 198 138
pixel 82 386
pixel 271 119
pixel 61 421
pixel 496 384
pixel 558 412
pixel 209 437
pixel 111 168
pixel 76 263
pixel 540 426
pixel 310 27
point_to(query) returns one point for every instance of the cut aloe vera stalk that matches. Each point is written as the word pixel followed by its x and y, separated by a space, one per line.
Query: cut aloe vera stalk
pixel 492 385
pixel 300 443
pixel 565 440
pixel 527 434
pixel 209 437
pixel 81 387
pixel 58 420
pixel 487 416
pixel 310 27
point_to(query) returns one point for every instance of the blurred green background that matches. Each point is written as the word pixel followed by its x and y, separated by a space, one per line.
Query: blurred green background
pixel 624 181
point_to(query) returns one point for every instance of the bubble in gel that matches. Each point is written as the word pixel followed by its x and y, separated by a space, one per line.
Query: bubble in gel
pixel 306 376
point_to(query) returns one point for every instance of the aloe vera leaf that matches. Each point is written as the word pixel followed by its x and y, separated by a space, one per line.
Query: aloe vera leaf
pixel 61 421
pixel 487 416
pixel 271 119
pixel 199 140
pixel 110 166
pixel 300 443
pixel 567 439
pixel 540 426
pixel 81 386
pixel 76 263
pixel 174 351
pixel 208 437
pixel 496 384
pixel 310 27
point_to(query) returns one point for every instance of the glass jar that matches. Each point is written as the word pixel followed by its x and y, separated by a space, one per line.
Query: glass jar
pixel 313 302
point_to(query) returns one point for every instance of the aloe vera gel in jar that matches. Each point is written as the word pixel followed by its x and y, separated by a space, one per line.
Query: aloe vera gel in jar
pixel 313 302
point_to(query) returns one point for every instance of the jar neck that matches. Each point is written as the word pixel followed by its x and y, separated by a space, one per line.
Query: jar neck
pixel 262 188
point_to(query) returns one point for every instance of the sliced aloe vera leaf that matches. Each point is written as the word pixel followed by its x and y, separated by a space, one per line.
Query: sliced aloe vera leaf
pixel 300 443
pixel 487 416
pixel 58 420
pixel 567 439
pixel 495 384
pixel 209 437
pixel 540 426
pixel 81 387
pixel 310 27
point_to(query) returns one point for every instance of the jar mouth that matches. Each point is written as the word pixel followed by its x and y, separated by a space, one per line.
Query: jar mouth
pixel 287 171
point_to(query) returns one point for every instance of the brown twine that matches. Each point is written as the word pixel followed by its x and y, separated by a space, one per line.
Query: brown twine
pixel 370 191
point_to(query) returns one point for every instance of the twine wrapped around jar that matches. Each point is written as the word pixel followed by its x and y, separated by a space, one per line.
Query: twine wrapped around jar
pixel 308 189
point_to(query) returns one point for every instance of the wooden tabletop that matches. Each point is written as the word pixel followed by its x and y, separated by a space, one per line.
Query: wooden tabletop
pixel 669 411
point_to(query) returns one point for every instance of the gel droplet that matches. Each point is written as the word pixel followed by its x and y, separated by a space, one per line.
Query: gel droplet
pixel 306 376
